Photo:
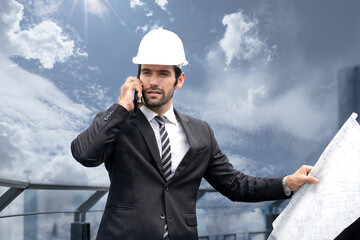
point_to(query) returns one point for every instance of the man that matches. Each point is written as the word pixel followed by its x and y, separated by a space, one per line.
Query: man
pixel 156 156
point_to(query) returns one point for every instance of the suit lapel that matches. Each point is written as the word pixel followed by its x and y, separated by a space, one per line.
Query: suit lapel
pixel 140 121
pixel 189 132
pixel 190 135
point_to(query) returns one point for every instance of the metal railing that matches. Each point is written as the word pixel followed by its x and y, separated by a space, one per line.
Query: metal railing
pixel 79 229
pixel 237 236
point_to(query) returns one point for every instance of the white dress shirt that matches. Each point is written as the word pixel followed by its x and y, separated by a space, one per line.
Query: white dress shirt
pixel 178 141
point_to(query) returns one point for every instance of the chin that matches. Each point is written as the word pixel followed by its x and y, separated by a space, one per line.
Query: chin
pixel 154 105
pixel 152 101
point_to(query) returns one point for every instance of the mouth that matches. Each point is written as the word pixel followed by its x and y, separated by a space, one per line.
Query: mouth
pixel 153 92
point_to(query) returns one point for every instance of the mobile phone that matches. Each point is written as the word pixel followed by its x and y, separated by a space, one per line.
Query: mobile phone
pixel 135 101
pixel 136 96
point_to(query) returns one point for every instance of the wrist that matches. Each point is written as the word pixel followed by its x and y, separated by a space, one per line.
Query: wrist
pixel 286 188
pixel 128 107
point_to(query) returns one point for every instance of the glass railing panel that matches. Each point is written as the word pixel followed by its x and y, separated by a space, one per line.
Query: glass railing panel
pixel 48 214
pixel 12 228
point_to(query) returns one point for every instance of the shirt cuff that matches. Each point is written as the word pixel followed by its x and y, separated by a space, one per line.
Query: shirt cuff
pixel 286 188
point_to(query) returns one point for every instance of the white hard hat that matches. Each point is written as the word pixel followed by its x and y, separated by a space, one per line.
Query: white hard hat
pixel 161 47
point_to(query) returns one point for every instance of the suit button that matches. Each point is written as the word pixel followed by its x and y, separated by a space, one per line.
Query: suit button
pixel 166 188
pixel 162 216
pixel 108 115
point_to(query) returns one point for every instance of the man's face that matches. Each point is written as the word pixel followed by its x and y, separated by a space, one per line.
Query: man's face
pixel 158 82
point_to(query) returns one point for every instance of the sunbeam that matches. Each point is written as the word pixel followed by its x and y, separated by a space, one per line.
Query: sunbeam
pixel 122 22
pixel 86 19
pixel 72 10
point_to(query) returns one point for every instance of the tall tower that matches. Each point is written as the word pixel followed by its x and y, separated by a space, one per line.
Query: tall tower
pixel 30 205
pixel 349 101
pixel 349 93
pixel 30 222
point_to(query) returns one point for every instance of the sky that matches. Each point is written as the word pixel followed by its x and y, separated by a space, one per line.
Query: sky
pixel 262 73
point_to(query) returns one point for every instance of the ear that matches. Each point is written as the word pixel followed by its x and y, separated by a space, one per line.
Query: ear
pixel 181 80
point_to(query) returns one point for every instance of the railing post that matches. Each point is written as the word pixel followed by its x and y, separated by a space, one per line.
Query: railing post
pixel 9 196
pixel 80 231
pixel 89 203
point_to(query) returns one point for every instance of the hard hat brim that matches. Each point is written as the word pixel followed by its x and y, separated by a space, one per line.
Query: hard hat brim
pixel 137 60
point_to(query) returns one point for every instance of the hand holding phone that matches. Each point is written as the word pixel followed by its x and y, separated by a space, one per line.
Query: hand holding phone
pixel 129 94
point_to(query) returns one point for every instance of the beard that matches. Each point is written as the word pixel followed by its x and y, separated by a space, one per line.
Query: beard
pixel 165 97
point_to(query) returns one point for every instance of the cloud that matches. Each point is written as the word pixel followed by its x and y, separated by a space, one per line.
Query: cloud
pixel 150 13
pixel 236 218
pixel 80 53
pixel 44 8
pixel 96 7
pixel 11 13
pixel 253 103
pixel 45 41
pixel 249 166
pixel 162 4
pixel 37 123
pixel 143 6
pixel 253 92
pixel 147 27
pixel 136 3
pixel 142 28
pixel 241 40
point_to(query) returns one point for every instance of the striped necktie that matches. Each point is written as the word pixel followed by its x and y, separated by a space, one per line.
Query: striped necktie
pixel 165 159
pixel 165 148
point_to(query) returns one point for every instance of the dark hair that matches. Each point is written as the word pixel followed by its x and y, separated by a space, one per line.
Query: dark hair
pixel 176 69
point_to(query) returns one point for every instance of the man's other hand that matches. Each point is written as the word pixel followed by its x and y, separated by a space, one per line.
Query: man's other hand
pixel 300 177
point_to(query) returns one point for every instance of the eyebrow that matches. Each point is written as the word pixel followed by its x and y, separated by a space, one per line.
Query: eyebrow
pixel 160 71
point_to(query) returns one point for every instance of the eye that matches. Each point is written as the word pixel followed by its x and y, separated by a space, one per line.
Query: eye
pixel 164 74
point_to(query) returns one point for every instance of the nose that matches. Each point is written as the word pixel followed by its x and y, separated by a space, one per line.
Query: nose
pixel 153 80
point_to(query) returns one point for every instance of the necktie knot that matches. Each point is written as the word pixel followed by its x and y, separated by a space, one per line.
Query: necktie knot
pixel 160 120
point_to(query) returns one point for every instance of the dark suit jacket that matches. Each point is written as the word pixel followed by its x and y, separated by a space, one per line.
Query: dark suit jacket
pixel 139 198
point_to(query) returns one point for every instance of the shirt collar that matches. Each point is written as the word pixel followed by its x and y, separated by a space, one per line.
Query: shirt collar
pixel 150 114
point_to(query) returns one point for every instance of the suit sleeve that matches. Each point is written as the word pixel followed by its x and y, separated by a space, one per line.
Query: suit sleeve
pixel 95 144
pixel 238 186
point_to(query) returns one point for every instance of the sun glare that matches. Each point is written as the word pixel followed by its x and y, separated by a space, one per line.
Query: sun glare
pixel 99 8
